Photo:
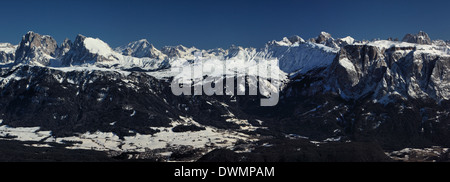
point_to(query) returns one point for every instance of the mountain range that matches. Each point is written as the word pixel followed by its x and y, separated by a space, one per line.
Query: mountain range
pixel 337 95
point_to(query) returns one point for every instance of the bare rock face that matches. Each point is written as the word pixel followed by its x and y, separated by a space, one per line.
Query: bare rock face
pixel 77 53
pixel 360 70
pixel 64 48
pixel 420 38
pixel 354 65
pixel 36 49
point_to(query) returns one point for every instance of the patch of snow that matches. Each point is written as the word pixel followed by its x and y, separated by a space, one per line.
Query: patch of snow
pixel 348 40
pixel 24 133
pixel 333 139
pixel 99 47
pixel 267 145
pixel 259 121
pixel 127 107
pixel 295 136
pixel 38 145
pixel 347 64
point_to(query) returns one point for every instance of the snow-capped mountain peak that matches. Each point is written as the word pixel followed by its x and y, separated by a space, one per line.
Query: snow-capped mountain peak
pixel 323 37
pixel 141 48
pixel 88 50
pixel 179 51
pixel 293 53
pixel 347 40
pixel 295 39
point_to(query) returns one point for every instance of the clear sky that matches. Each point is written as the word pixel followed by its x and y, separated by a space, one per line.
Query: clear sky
pixel 220 23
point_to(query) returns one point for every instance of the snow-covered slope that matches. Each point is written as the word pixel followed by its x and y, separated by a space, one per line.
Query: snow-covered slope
pixel 7 52
pixel 301 57
pixel 97 46
pixel 7 48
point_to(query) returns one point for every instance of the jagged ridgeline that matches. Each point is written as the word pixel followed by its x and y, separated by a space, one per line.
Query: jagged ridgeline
pixel 83 94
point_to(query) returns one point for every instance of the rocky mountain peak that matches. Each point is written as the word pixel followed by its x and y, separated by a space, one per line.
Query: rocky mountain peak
pixel 79 40
pixel 64 48
pixel 36 49
pixel 326 39
pixel 323 37
pixel 419 38
pixel 67 43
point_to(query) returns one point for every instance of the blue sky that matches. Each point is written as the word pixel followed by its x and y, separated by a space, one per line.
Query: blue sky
pixel 214 23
